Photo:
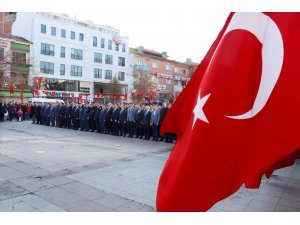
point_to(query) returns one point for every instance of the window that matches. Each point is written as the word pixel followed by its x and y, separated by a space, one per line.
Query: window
pixel 102 43
pixel 184 71
pixel 109 59
pixel 121 76
pixel 117 47
pixel 95 41
pixel 47 49
pixel 110 44
pixel 154 64
pixel 108 74
pixel 62 69
pixel 43 29
pixel 53 31
pixel 176 70
pixel 81 37
pixel 63 33
pixel 121 61
pixel 168 67
pixel 76 54
pixel 76 71
pixel 123 47
pixel 139 62
pixel 177 83
pixel 62 52
pixel 72 35
pixel 18 58
pixel 168 81
pixel 47 67
pixel 97 73
pixel 97 57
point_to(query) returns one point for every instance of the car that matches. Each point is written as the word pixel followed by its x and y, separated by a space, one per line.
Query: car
pixel 44 100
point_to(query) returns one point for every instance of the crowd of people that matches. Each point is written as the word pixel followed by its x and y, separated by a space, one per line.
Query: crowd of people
pixel 132 120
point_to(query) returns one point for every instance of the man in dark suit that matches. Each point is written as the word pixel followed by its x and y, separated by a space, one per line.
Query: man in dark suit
pixel 32 111
pixel 139 122
pixel 102 116
pixel 47 113
pixel 108 119
pixel 57 118
pixel 92 110
pixel 43 117
pixel 86 117
pixel 146 123
pixel 163 113
pixel 122 121
pixel 96 117
pixel 81 119
pixel 115 119
pixel 38 113
pixel 154 122
pixel 76 117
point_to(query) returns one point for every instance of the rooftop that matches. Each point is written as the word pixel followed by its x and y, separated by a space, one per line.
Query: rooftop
pixel 15 38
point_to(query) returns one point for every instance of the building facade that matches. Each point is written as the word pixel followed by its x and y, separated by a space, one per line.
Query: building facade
pixel 6 21
pixel 73 56
pixel 168 77
pixel 15 67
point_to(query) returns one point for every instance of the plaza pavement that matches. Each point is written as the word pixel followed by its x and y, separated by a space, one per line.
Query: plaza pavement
pixel 51 169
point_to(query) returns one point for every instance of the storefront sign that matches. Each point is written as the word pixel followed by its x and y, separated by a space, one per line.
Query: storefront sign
pixel 162 75
pixel 141 67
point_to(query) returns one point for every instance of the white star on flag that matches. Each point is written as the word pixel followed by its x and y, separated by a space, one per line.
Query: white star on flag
pixel 198 110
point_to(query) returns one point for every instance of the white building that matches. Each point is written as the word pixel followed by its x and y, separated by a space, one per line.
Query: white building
pixel 74 56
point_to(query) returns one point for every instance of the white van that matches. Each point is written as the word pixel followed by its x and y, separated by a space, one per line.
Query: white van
pixel 43 100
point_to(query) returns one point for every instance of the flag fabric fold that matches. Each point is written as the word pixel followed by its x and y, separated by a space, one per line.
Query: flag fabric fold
pixel 239 113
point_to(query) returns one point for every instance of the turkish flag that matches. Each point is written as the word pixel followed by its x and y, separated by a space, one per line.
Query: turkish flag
pixel 80 98
pixel 22 94
pixel 125 97
pixel 11 90
pixel 36 92
pixel 73 96
pixel 151 96
pixel 53 94
pixel 242 118
pixel 118 97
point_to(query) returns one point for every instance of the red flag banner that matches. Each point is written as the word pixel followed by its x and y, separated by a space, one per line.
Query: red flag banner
pixel 118 97
pixel 125 97
pixel 36 92
pixel 11 90
pixel 73 96
pixel 80 97
pixel 132 94
pixel 98 95
pixel 151 95
pixel 241 120
pixel 64 94
pixel 22 94
pixel 53 94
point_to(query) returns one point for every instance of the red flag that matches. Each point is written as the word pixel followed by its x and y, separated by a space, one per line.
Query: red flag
pixel 132 95
pixel 118 97
pixel 73 97
pixel 22 94
pixel 125 97
pixel 36 92
pixel 80 97
pixel 64 94
pixel 151 95
pixel 98 95
pixel 53 94
pixel 11 90
pixel 241 120
pixel 102 96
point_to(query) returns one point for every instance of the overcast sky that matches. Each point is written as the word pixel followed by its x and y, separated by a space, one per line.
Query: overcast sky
pixel 183 28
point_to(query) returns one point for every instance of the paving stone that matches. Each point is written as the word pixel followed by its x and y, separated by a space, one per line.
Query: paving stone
pixel 32 184
pixel 280 208
pixel 260 206
pixel 90 207
pixel 112 201
pixel 52 208
pixel 57 181
pixel 134 207
pixel 10 190
pixel 52 193
pixel 7 173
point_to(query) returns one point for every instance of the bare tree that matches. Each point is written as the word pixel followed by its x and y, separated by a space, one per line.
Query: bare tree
pixel 114 88
pixel 142 84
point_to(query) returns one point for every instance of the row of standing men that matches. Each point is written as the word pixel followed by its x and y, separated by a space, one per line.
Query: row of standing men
pixel 139 121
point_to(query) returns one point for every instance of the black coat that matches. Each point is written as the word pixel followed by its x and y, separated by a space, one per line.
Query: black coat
pixel 97 113
pixel 123 116
pixel 115 114
pixel 38 110
pixel 32 109
pixel 76 113
pixel 147 118
pixel 163 113
pixel 108 115
pixel 92 111
pixel 139 116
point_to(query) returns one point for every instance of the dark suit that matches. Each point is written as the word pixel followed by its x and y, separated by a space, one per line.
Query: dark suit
pixel 38 114
pixel 52 116
pixel 115 120
pixel 146 124
pixel 102 116
pixel 122 122
pixel 81 119
pixel 76 118
pixel 108 121
pixel 96 119
pixel 92 124
pixel 139 123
